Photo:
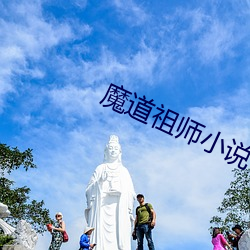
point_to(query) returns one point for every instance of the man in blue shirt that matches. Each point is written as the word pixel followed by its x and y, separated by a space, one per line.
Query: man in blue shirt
pixel 84 240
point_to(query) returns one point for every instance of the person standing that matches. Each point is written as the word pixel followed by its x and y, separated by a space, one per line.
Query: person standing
pixel 218 240
pixel 143 225
pixel 239 231
pixel 56 231
pixel 85 239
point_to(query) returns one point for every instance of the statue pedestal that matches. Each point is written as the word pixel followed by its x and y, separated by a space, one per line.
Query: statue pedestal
pixel 13 247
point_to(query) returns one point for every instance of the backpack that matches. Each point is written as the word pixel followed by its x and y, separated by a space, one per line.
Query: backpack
pixel 149 212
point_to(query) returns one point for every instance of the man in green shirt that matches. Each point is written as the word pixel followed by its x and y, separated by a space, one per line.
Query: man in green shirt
pixel 144 223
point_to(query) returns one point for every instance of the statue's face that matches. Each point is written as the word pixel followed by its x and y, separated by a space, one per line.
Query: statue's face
pixel 113 150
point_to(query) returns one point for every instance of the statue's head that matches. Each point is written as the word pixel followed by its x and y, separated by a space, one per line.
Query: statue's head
pixel 113 150
pixel 4 211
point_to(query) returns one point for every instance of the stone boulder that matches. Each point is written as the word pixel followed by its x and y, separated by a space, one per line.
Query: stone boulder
pixel 244 242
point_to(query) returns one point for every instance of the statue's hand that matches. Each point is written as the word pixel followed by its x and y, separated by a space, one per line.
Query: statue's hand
pixel 90 201
pixel 132 217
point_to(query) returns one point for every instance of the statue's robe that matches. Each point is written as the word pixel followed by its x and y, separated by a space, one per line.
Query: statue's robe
pixel 110 197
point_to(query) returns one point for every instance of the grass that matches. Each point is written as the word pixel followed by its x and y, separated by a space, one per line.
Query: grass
pixel 6 240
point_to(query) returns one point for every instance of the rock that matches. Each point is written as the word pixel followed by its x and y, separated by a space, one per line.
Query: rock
pixel 25 235
pixel 244 242
pixel 13 247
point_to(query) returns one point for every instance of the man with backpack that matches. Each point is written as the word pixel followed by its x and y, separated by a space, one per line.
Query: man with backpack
pixel 144 223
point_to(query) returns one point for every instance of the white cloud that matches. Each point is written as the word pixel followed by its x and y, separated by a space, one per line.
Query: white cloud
pixel 26 35
pixel 200 33
pixel 208 115
pixel 106 68
pixel 75 101
pixel 80 3
pixel 231 124
pixel 143 64
pixel 198 20
pixel 131 12
pixel 217 42
pixel 109 68
pixel 32 33
pixel 240 101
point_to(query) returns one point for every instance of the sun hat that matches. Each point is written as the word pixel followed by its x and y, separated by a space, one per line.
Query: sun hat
pixel 87 229
pixel 59 213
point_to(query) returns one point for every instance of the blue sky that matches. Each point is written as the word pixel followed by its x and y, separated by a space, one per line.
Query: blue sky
pixel 57 62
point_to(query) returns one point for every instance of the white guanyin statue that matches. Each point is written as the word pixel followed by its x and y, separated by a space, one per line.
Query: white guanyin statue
pixel 110 197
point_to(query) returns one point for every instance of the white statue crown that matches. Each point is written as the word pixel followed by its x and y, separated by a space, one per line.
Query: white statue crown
pixel 114 139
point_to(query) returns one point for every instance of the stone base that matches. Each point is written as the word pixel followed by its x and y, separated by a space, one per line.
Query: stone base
pixel 13 247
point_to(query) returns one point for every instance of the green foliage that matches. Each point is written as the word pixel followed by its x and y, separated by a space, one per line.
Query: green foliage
pixel 17 199
pixel 235 206
pixel 11 159
pixel 6 240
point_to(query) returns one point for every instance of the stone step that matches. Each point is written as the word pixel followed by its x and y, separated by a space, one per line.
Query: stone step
pixel 12 247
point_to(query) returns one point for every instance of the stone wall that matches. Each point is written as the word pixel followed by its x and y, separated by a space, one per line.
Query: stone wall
pixel 13 247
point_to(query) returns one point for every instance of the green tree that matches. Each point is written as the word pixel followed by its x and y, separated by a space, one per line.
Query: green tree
pixel 17 199
pixel 235 207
